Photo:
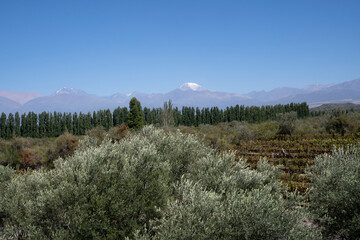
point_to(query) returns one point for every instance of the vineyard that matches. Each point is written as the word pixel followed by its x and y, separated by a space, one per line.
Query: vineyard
pixel 293 153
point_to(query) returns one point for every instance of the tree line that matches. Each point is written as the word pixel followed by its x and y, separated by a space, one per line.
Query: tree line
pixel 53 124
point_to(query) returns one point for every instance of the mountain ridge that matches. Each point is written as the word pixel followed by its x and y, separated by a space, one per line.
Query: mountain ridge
pixel 188 94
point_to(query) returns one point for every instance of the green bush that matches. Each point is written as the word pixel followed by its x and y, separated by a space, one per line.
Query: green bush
pixel 266 129
pixel 242 204
pixel 105 191
pixel 337 125
pixel 6 174
pixel 242 132
pixel 286 123
pixel 335 192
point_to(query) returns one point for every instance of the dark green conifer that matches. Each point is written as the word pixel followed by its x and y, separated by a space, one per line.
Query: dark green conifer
pixel 135 117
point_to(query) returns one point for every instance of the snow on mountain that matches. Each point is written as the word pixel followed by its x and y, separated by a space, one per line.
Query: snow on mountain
pixel 192 87
pixel 188 94
pixel 66 90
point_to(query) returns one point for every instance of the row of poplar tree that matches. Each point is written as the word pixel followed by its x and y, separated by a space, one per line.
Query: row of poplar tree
pixel 53 124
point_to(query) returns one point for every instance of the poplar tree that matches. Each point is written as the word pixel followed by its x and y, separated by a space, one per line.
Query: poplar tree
pixel 108 119
pixel 23 124
pixel 42 124
pixel 167 114
pixel 116 116
pixel 75 124
pixel 17 124
pixel 10 126
pixel 34 125
pixel 3 125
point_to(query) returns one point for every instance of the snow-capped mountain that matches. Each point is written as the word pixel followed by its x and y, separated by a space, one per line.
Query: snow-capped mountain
pixel 188 94
pixel 192 87
pixel 69 91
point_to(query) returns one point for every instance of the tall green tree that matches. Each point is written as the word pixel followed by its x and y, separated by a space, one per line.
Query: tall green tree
pixel 3 125
pixel 17 124
pixel 23 125
pixel 135 118
pixel 108 119
pixel 34 125
pixel 10 126
pixel 42 124
pixel 75 124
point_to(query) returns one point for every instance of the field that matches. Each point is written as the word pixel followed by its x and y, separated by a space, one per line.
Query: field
pixel 293 153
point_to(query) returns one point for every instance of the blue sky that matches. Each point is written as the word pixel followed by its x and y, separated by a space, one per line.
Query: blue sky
pixel 103 47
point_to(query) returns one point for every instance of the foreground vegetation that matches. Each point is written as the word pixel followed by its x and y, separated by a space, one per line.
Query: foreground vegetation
pixel 156 184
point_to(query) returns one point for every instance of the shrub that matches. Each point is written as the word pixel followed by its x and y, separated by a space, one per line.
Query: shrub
pixel 11 152
pixel 118 133
pixel 286 123
pixel 335 192
pixel 242 132
pixel 222 199
pixel 98 133
pixel 6 174
pixel 337 125
pixel 107 191
pixel 168 183
pixel 63 146
pixel 267 129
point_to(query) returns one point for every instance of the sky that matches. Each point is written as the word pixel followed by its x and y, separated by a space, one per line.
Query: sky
pixel 103 47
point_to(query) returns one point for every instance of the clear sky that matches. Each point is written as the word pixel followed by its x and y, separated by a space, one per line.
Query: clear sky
pixel 152 46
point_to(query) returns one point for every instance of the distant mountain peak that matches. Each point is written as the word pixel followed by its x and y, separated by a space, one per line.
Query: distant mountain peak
pixel 20 97
pixel 192 87
pixel 66 90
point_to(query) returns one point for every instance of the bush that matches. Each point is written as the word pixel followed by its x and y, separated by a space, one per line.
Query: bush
pixel 63 147
pixel 168 183
pixel 118 133
pixel 12 152
pixel 242 132
pixel 107 191
pixel 286 123
pixel 267 129
pixel 231 202
pixel 6 174
pixel 98 133
pixel 335 192
pixel 337 125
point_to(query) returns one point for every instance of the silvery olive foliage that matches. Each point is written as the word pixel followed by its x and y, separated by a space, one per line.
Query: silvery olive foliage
pixel 230 201
pixel 335 192
pixel 150 185
pixel 6 174
pixel 106 191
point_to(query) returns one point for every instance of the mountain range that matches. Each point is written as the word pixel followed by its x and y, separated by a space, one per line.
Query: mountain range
pixel 188 94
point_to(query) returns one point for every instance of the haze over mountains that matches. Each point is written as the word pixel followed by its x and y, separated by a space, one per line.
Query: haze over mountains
pixel 189 94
